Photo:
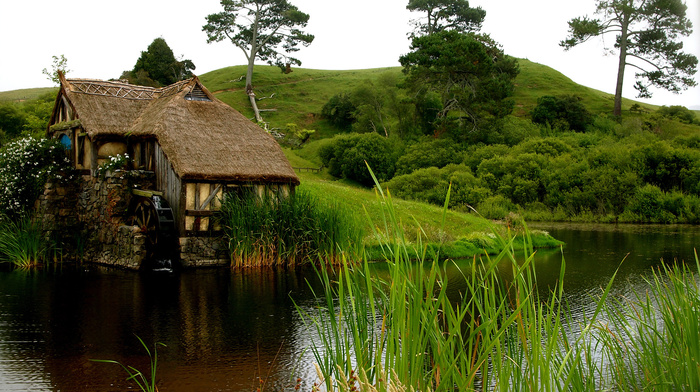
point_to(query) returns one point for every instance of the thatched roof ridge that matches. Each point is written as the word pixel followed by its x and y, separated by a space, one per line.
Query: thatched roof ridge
pixel 203 140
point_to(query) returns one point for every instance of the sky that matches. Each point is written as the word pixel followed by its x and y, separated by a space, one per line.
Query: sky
pixel 103 39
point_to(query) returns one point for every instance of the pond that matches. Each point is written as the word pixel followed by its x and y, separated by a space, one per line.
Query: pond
pixel 225 330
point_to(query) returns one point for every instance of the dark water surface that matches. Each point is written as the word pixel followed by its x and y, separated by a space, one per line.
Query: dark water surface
pixel 225 329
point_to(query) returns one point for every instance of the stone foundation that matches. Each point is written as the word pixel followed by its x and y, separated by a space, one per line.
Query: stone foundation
pixel 88 217
pixel 203 252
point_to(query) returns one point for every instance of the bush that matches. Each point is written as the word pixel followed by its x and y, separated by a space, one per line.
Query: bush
pixel 431 153
pixel 680 113
pixel 347 156
pixel 25 166
pixel 430 185
pixel 565 113
pixel 340 111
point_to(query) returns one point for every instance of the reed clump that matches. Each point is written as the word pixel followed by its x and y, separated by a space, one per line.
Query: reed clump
pixel 273 229
pixel 501 334
pixel 23 243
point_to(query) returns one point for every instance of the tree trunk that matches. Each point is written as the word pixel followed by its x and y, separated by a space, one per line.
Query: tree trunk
pixel 617 109
pixel 249 73
pixel 249 90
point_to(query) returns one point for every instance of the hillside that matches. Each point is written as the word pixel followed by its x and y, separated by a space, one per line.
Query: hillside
pixel 299 96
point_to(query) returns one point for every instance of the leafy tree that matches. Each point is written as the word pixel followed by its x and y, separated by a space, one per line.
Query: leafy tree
pixel 469 72
pixel 682 113
pixel 430 153
pixel 347 156
pixel 647 38
pixel 60 64
pixel 158 66
pixel 263 29
pixel 339 111
pixel 442 15
pixel 566 112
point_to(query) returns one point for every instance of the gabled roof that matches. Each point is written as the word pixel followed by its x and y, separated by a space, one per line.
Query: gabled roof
pixel 202 137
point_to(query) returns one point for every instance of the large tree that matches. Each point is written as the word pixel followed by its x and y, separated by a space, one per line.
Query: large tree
pixel 648 39
pixel 268 30
pixel 157 66
pixel 441 15
pixel 469 72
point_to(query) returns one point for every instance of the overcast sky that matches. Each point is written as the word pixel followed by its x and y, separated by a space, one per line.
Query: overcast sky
pixel 102 39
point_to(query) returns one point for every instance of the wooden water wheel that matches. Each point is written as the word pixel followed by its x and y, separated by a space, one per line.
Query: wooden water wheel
pixel 152 214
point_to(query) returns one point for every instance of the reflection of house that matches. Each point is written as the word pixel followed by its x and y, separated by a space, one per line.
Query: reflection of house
pixel 197 146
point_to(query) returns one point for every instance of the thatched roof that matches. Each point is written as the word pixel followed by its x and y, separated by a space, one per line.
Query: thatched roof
pixel 204 140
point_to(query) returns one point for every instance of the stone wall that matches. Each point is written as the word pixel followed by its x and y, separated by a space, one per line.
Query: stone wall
pixel 203 252
pixel 88 217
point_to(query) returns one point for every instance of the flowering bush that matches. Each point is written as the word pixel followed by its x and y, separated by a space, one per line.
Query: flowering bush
pixel 115 163
pixel 25 166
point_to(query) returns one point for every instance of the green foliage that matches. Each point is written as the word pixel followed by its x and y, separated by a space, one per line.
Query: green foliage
pixel 145 382
pixel 340 110
pixel 442 15
pixel 23 242
pixel 430 185
pixel 277 229
pixel 268 30
pixel 28 118
pixel 25 166
pixel 347 156
pixel 428 153
pixel 681 113
pixel 60 65
pixel 647 31
pixel 565 113
pixel 470 74
pixel 158 66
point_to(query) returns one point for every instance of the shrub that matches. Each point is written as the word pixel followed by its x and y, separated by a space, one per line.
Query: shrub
pixel 566 113
pixel 25 166
pixel 430 185
pixel 340 111
pixel 345 157
pixel 431 153
pixel 680 113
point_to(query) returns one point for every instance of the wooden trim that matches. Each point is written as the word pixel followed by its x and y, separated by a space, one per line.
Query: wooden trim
pixel 212 194
pixel 199 213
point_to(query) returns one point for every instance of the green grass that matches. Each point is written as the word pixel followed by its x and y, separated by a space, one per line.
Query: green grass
pixel 22 243
pixel 271 230
pixel 300 95
pixel 26 94
pixel 401 331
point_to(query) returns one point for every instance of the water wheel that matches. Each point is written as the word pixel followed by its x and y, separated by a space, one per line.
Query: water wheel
pixel 154 217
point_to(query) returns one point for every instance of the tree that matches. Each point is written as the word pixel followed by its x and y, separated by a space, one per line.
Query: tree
pixel 469 72
pixel 263 29
pixel 647 38
pixel 565 112
pixel 158 66
pixel 60 64
pixel 442 15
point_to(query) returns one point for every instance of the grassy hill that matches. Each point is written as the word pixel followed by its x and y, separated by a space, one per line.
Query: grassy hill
pixel 299 96
pixel 26 94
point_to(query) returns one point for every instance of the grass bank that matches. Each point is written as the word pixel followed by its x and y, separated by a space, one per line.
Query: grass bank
pixel 403 332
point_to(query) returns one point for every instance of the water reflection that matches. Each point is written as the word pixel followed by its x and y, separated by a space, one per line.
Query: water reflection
pixel 225 329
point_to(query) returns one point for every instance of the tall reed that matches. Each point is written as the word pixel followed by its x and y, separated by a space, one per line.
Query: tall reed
pixel 404 330
pixel 652 341
pixel 22 242
pixel 273 229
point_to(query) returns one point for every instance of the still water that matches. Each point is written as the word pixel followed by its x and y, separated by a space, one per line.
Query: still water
pixel 225 330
